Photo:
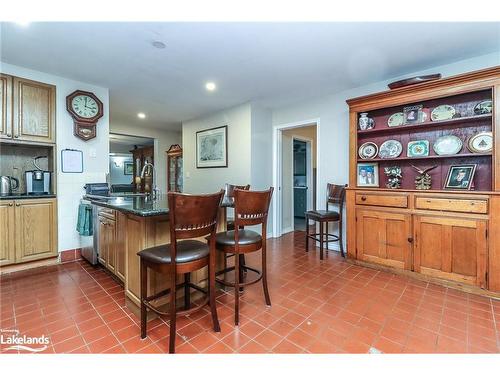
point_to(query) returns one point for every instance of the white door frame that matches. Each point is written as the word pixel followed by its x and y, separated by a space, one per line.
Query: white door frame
pixel 309 175
pixel 277 167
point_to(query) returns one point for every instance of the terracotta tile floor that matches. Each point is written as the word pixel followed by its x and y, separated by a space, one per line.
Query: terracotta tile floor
pixel 318 307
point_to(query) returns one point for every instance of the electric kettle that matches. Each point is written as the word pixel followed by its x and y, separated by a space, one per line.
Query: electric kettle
pixel 8 184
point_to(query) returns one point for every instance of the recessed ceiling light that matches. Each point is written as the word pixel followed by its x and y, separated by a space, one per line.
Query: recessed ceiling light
pixel 158 44
pixel 210 86
pixel 141 115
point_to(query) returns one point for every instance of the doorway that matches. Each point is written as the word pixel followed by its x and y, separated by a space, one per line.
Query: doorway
pixel 125 165
pixel 295 175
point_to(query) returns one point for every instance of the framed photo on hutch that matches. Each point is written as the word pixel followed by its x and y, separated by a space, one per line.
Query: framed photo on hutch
pixel 367 175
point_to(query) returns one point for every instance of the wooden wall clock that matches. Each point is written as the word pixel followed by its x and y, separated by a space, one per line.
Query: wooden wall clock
pixel 86 109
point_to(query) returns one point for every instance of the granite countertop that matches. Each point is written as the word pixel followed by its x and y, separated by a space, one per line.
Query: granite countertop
pixel 26 196
pixel 142 205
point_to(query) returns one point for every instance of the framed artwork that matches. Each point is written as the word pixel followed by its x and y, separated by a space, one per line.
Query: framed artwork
pixel 413 114
pixel 367 175
pixel 460 176
pixel 128 168
pixel 211 148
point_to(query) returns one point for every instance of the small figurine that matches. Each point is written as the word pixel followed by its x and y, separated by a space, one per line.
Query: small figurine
pixel 424 180
pixel 394 175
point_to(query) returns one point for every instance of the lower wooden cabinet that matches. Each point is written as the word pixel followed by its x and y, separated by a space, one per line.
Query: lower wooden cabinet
pixel 384 238
pixel 451 248
pixel 7 253
pixel 28 229
pixel 120 249
pixel 107 237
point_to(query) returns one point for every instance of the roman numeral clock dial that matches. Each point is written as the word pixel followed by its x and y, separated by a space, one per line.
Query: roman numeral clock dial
pixel 86 109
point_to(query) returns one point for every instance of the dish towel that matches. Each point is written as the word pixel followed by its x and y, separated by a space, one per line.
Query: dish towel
pixel 84 224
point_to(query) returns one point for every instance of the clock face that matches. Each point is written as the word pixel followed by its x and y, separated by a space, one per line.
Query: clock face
pixel 84 106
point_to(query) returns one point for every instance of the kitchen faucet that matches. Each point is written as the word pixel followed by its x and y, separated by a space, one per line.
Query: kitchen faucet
pixel 155 190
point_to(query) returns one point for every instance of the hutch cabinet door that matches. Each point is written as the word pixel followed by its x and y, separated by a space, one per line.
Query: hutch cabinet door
pixel 36 229
pixel 384 238
pixel 5 106
pixel 451 248
pixel 34 111
pixel 7 254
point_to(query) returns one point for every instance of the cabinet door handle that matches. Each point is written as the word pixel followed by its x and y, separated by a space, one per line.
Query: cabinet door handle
pixel 18 204
pixel 410 240
pixel 9 135
pixel 16 136
pixel 11 204
pixel 363 199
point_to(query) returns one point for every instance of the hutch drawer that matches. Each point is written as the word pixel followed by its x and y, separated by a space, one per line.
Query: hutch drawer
pixel 370 199
pixel 473 206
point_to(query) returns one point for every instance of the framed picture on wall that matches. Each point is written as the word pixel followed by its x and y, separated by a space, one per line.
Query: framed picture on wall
pixel 211 148
pixel 128 168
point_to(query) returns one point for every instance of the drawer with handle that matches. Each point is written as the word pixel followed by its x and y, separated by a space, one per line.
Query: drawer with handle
pixel 472 206
pixel 107 212
pixel 392 200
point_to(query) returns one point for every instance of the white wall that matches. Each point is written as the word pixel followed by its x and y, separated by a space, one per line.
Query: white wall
pixel 238 171
pixel 70 185
pixel 333 112
pixel 163 139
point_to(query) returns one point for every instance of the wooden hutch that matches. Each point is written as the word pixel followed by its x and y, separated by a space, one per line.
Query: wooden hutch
pixel 140 156
pixel 174 168
pixel 446 236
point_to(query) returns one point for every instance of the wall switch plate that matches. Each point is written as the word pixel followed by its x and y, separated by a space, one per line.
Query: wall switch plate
pixel 92 153
pixel 188 174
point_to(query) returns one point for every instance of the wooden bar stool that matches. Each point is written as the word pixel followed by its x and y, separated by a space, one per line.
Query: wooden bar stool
pixel 191 216
pixel 229 193
pixel 250 208
pixel 334 195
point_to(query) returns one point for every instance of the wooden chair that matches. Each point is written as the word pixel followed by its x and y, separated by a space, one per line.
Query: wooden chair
pixel 250 208
pixel 335 194
pixel 191 216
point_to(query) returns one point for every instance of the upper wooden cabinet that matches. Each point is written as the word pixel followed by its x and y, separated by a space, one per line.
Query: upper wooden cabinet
pixel 5 106
pixel 35 229
pixel 451 248
pixel 384 238
pixel 7 254
pixel 34 111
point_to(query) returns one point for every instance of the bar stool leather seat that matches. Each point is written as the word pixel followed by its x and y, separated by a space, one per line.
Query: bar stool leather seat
pixel 187 251
pixel 245 237
pixel 322 214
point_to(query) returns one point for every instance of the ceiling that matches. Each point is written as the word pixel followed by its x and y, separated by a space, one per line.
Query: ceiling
pixel 125 143
pixel 275 64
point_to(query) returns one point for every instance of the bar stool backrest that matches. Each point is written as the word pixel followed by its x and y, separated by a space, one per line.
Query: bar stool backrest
pixel 251 207
pixel 229 189
pixel 335 194
pixel 193 216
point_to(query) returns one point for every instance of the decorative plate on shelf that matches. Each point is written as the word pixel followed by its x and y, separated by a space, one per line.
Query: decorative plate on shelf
pixel 396 119
pixel 447 145
pixel 417 149
pixel 368 150
pixel 481 143
pixel 483 108
pixel 442 112
pixel 390 149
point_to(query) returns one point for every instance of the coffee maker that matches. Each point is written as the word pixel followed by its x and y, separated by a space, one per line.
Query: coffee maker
pixel 37 180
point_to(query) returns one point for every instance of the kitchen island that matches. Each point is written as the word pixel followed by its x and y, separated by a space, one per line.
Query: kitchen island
pixel 128 225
